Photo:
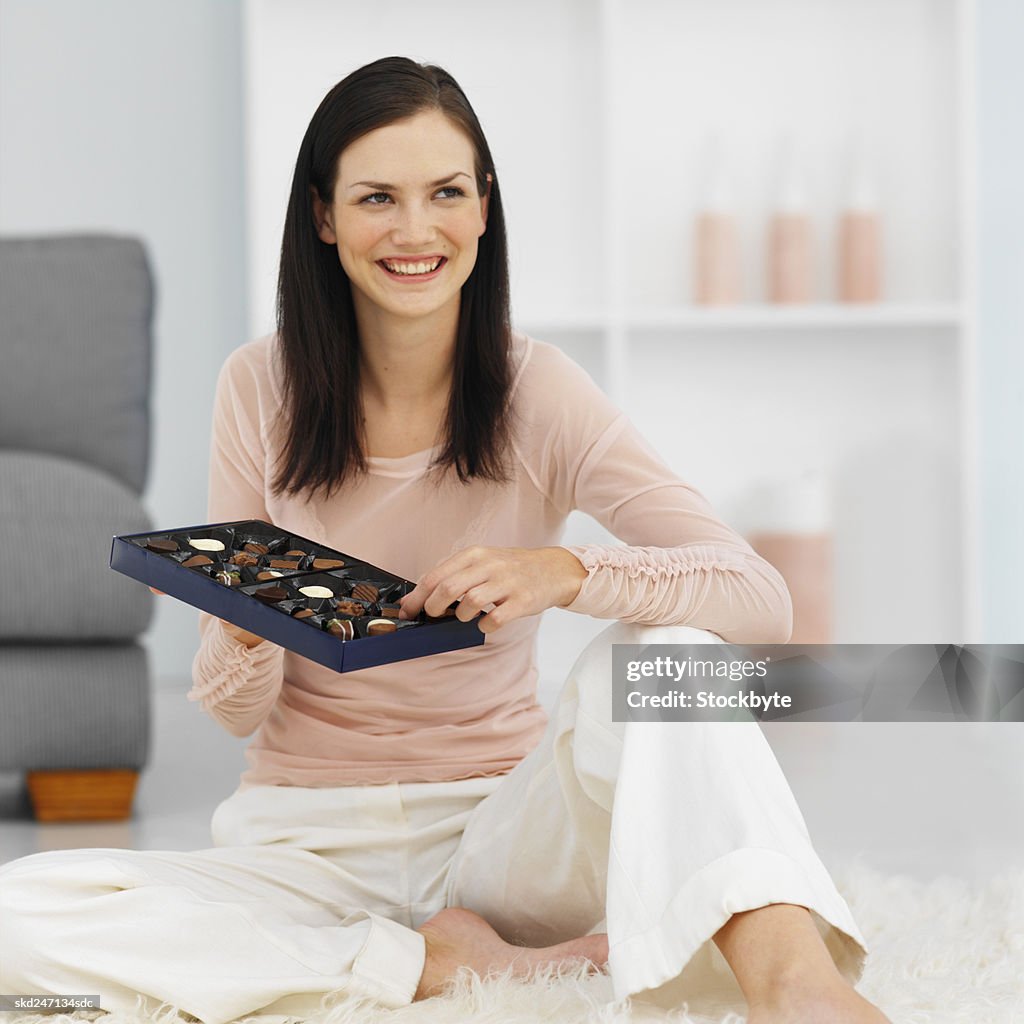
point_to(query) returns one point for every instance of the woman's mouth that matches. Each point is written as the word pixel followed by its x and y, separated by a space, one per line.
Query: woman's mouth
pixel 411 270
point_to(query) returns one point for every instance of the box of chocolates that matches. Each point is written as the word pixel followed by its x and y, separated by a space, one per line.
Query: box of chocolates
pixel 326 605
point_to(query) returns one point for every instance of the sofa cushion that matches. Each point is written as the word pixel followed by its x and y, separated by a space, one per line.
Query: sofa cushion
pixel 76 706
pixel 75 321
pixel 57 520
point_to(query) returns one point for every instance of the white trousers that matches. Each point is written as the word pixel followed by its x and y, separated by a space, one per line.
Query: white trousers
pixel 656 832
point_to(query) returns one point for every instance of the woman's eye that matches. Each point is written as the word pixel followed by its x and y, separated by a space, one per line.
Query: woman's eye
pixel 371 199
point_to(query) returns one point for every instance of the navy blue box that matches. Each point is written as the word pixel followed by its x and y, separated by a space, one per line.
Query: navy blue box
pixel 232 599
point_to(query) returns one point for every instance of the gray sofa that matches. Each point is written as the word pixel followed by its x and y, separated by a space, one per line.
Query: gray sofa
pixel 75 370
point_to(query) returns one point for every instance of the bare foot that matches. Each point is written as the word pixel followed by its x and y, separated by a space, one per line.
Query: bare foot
pixel 813 1002
pixel 458 937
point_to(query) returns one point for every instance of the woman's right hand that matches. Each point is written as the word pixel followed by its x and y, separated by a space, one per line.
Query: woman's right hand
pixel 235 632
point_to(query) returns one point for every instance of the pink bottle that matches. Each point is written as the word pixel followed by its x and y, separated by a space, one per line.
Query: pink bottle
pixel 716 243
pixel 716 259
pixel 790 241
pixel 859 254
pixel 793 532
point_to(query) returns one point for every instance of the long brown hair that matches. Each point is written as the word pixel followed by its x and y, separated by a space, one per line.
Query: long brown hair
pixel 316 317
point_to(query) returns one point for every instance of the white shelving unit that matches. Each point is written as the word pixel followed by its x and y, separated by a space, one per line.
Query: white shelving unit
pixel 596 114
pixel 879 397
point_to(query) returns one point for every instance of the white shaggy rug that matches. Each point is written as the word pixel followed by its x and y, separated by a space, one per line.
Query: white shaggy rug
pixel 941 952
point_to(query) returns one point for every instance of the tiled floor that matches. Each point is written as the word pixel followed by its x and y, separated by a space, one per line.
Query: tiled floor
pixel 922 799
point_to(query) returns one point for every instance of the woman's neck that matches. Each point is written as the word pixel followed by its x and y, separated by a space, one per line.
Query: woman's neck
pixel 406 365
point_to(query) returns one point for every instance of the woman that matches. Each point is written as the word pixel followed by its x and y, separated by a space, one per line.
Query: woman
pixel 398 822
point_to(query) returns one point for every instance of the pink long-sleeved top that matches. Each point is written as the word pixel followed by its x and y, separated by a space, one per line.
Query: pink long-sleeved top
pixel 471 712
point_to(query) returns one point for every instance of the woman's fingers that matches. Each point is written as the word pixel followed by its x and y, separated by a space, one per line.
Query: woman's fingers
pixel 433 600
pixel 155 591
pixel 503 583
pixel 445 583
pixel 479 598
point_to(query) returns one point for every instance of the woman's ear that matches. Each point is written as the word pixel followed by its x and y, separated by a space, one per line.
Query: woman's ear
pixel 322 218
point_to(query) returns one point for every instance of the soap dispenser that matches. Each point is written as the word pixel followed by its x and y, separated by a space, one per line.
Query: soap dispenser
pixel 859 259
pixel 716 244
pixel 790 243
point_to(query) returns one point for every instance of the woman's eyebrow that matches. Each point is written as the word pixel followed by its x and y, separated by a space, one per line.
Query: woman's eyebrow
pixel 393 188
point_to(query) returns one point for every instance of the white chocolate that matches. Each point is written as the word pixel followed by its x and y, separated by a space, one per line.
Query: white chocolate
pixel 206 544
pixel 316 591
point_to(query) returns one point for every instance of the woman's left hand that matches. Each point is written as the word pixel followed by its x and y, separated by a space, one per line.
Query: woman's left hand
pixel 517 581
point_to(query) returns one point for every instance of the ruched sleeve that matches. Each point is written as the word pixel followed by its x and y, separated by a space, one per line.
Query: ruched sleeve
pixel 235 684
pixel 679 564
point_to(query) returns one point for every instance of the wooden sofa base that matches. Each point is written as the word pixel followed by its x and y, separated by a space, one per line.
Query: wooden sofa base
pixel 93 795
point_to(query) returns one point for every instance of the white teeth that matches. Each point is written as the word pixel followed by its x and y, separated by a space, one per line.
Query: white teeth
pixel 412 268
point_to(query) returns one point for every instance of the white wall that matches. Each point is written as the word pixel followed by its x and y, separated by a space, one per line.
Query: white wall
pixel 1001 319
pixel 125 117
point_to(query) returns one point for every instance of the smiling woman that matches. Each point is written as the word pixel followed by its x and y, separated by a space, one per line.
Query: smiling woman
pixel 424 815
pixel 415 232
pixel 395 201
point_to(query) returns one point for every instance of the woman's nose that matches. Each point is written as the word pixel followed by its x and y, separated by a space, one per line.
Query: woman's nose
pixel 413 224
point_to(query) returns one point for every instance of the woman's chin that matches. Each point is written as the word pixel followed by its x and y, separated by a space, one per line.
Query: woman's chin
pixel 419 307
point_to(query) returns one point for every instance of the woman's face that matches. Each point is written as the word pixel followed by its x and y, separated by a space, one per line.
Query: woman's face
pixel 406 198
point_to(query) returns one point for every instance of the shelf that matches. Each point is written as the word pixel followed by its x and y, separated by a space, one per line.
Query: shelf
pixel 756 317
pixel 788 317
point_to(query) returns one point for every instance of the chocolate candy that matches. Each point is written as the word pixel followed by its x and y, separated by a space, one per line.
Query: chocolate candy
pixel 244 558
pixel 195 560
pixel 229 579
pixel 375 627
pixel 341 628
pixel 162 546
pixel 312 591
pixel 283 563
pixel 328 563
pixel 267 575
pixel 298 554
pixel 365 592
pixel 346 607
pixel 206 544
pixel 302 613
pixel 389 611
pixel 271 595
pixel 256 549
